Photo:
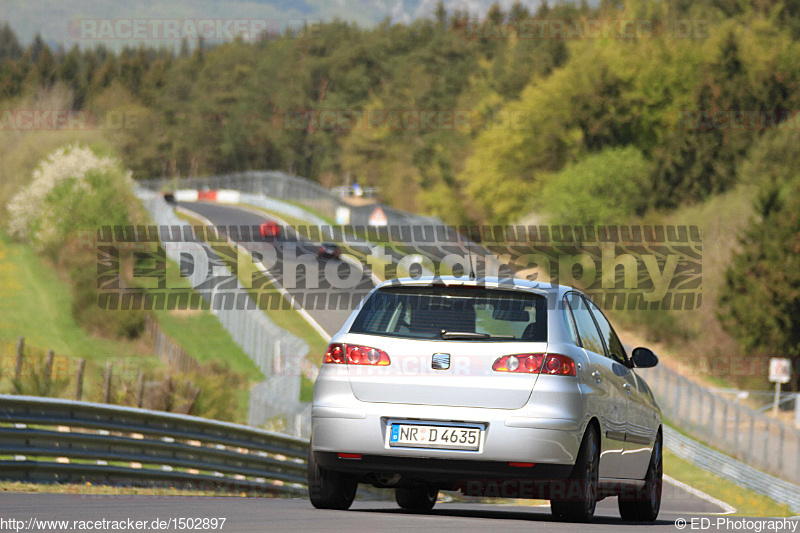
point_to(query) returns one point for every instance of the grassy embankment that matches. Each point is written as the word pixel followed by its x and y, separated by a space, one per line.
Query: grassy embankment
pixel 285 317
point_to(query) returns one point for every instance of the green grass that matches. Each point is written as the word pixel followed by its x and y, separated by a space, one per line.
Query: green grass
pixel 311 210
pixel 202 336
pixel 199 332
pixel 37 305
pixel 287 318
pixel 306 389
pixel 301 227
pixel 89 488
pixel 747 503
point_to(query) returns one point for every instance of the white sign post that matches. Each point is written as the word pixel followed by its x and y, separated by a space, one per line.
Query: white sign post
pixel 780 371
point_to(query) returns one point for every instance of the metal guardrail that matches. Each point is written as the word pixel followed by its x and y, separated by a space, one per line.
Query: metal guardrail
pixel 734 428
pixel 47 439
pixel 282 186
pixel 259 337
pixel 761 441
pixel 274 184
pixel 743 475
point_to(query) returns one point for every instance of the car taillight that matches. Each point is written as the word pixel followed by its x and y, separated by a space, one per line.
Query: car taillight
pixel 529 363
pixel 355 354
pixel 335 354
pixel 534 363
pixel 558 365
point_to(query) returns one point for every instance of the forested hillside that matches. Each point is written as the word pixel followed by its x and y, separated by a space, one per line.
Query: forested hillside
pixel 533 104
pixel 618 112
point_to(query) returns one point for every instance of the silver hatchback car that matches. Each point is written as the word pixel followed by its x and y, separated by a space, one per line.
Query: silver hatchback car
pixel 495 388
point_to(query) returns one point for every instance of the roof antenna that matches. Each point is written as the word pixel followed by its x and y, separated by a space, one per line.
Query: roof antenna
pixel 469 251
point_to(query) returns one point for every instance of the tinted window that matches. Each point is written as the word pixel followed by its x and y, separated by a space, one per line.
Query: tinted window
pixel 615 348
pixel 573 335
pixel 423 312
pixel 587 329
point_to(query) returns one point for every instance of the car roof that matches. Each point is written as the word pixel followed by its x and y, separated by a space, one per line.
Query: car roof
pixel 519 284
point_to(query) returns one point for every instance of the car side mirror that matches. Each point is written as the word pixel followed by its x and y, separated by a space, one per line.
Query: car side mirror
pixel 644 358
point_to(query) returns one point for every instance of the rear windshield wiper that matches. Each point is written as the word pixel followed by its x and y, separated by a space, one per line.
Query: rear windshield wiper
pixel 463 335
pixel 471 335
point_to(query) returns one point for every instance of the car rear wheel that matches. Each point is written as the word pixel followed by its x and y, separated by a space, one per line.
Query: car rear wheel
pixel 328 489
pixel 577 500
pixel 643 505
pixel 416 498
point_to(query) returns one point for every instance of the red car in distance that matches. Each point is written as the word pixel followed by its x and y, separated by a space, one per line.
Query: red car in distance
pixel 270 228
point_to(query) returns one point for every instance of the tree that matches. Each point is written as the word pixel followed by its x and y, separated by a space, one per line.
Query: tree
pixel 604 188
pixel 759 302
pixel 9 44
pixel 518 12
pixel 441 15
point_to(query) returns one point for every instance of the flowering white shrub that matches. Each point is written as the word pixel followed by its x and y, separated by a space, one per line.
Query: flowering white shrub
pixel 72 188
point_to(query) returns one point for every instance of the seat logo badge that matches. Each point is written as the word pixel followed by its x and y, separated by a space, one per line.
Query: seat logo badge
pixel 440 361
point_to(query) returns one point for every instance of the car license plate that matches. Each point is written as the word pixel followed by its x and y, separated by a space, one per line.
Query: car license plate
pixel 442 437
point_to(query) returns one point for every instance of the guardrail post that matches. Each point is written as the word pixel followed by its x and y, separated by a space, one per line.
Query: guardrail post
pixel 107 384
pixel 20 357
pixel 736 430
pixel 170 395
pixel 699 405
pixel 79 379
pixel 48 372
pixel 140 390
pixel 780 448
pixel 711 417
pixel 277 364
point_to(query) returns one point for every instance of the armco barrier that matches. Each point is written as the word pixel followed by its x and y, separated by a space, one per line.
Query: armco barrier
pixel 761 441
pixel 258 336
pixel 110 443
pixel 741 474
pixel 281 186
pixel 100 442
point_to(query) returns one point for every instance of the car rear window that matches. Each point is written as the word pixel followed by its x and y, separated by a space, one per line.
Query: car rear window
pixel 464 313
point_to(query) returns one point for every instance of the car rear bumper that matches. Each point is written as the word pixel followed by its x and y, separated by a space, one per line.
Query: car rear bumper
pixel 361 428
pixel 428 467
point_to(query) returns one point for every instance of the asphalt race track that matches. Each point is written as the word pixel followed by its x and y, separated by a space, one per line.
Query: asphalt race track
pixel 262 514
pixel 291 514
pixel 296 259
pixel 280 514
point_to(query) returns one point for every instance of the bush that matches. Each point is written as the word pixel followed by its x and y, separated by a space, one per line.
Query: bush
pixel 77 189
pixel 73 189
pixel 606 187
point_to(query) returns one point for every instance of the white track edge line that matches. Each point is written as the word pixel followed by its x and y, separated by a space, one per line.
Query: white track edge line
pixel 296 306
pixel 727 508
pixel 265 212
